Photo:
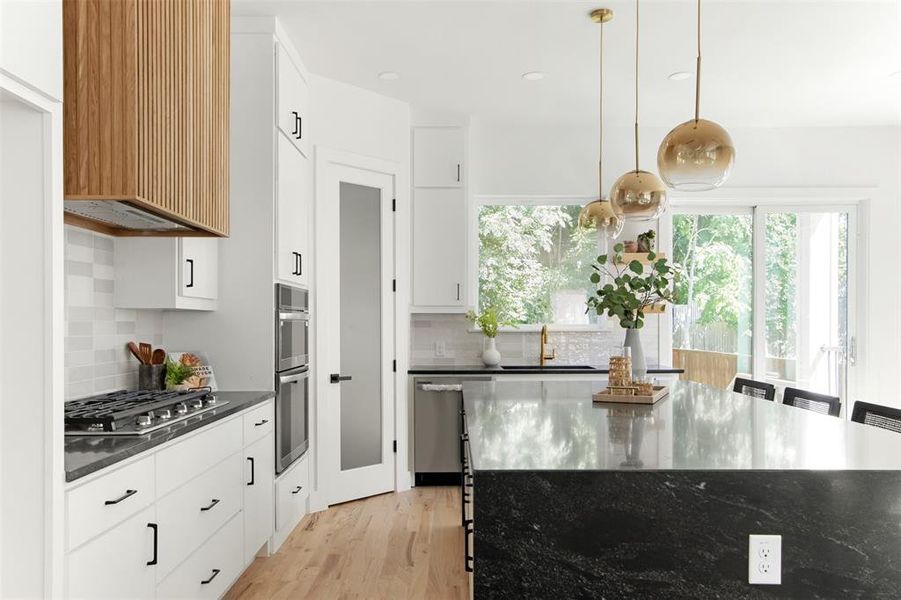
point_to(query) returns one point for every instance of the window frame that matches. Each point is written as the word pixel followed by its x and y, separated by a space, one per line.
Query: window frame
pixel 473 239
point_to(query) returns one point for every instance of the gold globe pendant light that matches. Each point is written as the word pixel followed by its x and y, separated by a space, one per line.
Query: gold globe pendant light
pixel 638 195
pixel 600 213
pixel 697 155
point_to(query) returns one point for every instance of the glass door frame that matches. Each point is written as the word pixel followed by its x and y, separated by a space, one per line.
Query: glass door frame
pixel 759 202
pixel 759 265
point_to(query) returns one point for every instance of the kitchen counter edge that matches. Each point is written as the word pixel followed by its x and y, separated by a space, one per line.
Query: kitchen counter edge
pixel 482 370
pixel 85 454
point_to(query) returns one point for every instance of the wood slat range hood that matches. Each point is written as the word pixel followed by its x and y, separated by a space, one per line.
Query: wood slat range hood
pixel 147 116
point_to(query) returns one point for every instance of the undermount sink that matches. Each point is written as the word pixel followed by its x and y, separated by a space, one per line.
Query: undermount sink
pixel 550 367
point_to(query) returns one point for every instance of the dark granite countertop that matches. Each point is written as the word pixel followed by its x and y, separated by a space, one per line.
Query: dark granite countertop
pixel 86 454
pixel 549 369
pixel 554 425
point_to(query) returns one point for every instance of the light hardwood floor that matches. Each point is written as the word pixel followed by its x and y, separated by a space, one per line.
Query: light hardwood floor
pixel 407 545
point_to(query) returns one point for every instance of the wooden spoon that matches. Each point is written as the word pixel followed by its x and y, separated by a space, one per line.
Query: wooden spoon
pixel 159 357
pixel 133 348
pixel 146 352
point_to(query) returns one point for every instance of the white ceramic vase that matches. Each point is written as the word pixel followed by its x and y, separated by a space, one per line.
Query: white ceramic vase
pixel 490 356
pixel 639 366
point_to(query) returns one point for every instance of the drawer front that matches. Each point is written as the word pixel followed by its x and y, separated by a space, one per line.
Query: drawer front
pixel 114 565
pixel 209 571
pixel 259 422
pixel 96 506
pixel 190 514
pixel 292 489
pixel 186 460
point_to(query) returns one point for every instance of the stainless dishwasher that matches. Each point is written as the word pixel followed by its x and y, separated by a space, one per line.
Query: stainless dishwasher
pixel 437 426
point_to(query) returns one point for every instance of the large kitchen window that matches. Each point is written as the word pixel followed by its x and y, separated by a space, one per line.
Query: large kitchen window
pixel 767 292
pixel 534 262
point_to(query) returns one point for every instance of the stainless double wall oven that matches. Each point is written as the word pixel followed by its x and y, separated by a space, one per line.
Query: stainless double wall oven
pixel 292 376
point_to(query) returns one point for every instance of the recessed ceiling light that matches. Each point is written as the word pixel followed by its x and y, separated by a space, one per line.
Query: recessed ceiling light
pixel 389 75
pixel 533 76
pixel 679 76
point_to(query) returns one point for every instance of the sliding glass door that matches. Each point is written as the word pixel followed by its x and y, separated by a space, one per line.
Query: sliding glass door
pixel 807 297
pixel 766 292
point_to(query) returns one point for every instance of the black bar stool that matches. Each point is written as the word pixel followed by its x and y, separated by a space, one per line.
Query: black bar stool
pixel 878 416
pixel 757 389
pixel 821 403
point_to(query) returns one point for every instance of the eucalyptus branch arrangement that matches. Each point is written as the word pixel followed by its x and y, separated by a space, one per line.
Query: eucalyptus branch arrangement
pixel 630 289
pixel 487 321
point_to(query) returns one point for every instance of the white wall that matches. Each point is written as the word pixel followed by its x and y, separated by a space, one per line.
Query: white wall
pixel 510 158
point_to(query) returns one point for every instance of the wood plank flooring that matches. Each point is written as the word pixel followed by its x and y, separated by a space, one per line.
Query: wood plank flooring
pixel 406 545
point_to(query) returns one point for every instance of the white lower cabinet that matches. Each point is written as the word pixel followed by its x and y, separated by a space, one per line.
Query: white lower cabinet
pixel 190 514
pixel 259 464
pixel 117 564
pixel 178 522
pixel 211 569
pixel 292 490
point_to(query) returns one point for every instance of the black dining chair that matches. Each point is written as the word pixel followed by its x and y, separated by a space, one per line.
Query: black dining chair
pixel 877 416
pixel 821 403
pixel 757 389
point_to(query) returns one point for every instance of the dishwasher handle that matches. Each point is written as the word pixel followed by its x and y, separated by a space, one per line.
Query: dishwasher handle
pixel 441 387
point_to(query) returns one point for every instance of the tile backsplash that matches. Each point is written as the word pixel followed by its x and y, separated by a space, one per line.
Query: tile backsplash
pixel 442 339
pixel 97 359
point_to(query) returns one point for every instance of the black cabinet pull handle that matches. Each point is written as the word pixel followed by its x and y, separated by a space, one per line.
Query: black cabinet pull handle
pixel 252 470
pixel 156 538
pixel 298 122
pixel 458 172
pixel 338 378
pixel 127 494
pixel 299 263
pixel 261 423
pixel 190 262
pixel 297 491
pixel 294 112
pixel 210 505
pixel 212 577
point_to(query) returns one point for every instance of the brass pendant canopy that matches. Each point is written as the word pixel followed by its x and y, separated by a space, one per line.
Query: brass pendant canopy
pixel 638 195
pixel 697 155
pixel 599 213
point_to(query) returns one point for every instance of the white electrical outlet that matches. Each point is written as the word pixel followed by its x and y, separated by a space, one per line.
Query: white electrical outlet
pixel 765 559
pixel 440 349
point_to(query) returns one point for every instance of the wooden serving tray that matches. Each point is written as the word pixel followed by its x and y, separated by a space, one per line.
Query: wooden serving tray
pixel 606 395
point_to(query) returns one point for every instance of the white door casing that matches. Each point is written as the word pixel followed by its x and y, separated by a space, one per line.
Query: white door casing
pixel 332 169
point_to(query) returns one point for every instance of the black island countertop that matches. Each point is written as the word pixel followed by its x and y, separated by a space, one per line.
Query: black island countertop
pixel 554 425
pixel 572 499
pixel 86 454
pixel 520 369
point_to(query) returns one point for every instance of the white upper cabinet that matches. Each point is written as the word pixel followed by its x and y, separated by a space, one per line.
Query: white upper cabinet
pixel 439 248
pixel 199 268
pixel 31 43
pixel 294 179
pixel 438 154
pixel 167 273
pixel 439 219
pixel 293 101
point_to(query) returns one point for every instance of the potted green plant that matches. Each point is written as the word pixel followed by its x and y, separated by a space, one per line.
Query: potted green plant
pixel 626 291
pixel 489 324
pixel 176 375
pixel 646 241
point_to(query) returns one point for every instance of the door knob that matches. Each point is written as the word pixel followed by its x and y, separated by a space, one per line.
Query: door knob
pixel 336 378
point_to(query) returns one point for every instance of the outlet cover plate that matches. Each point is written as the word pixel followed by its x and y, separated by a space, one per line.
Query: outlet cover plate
pixel 765 559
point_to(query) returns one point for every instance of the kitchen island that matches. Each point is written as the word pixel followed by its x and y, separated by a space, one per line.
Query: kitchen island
pixel 576 499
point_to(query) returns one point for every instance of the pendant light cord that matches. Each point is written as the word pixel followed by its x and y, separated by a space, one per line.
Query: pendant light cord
pixel 636 86
pixel 601 123
pixel 698 70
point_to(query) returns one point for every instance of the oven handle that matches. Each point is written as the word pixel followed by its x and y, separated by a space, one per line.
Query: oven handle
pixel 283 379
pixel 294 316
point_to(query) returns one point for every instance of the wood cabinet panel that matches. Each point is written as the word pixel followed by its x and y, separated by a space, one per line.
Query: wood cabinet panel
pixel 147 106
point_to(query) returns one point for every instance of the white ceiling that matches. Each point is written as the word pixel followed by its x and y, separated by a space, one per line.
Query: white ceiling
pixel 766 63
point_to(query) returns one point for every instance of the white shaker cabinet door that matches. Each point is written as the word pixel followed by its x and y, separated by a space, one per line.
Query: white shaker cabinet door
pixel 439 248
pixel 438 156
pixel 292 215
pixel 259 517
pixel 118 564
pixel 199 274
